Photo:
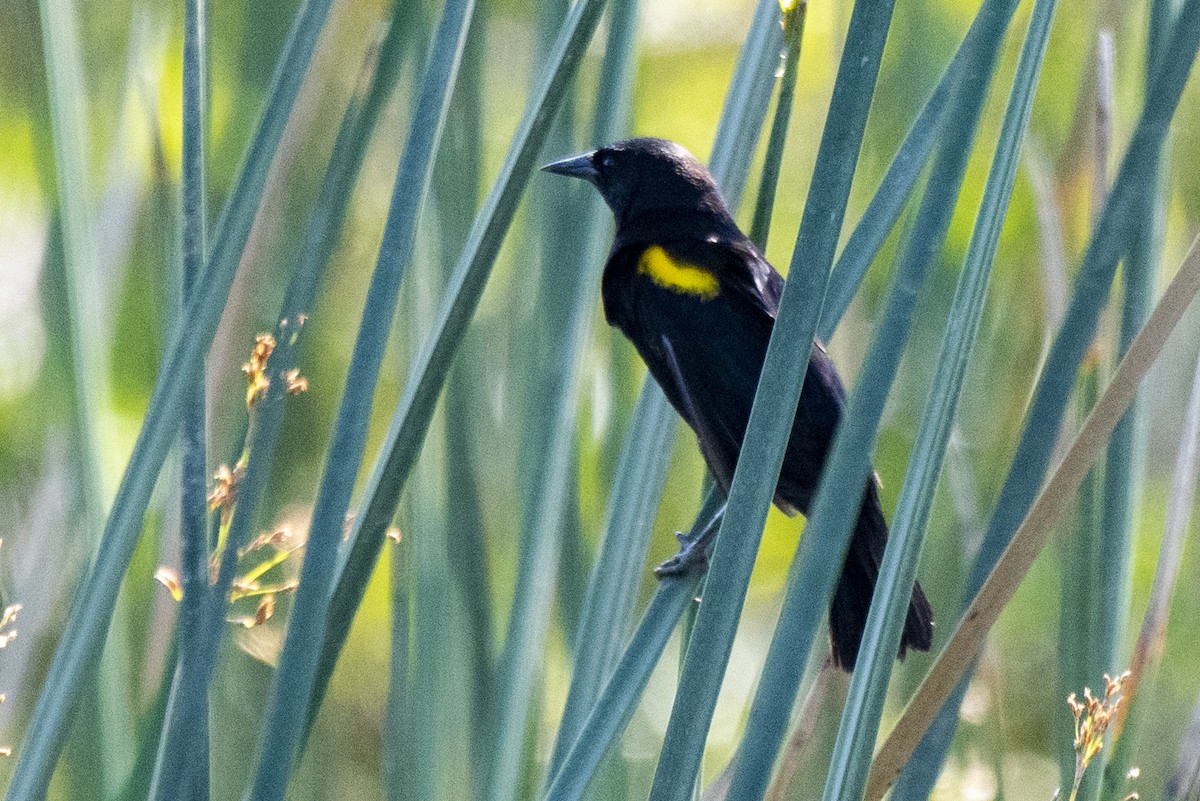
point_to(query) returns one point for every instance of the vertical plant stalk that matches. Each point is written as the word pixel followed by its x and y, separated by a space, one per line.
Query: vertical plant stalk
pixel 425 685
pixel 774 406
pixel 831 519
pixel 415 410
pixel 850 764
pixel 612 586
pixel 603 615
pixel 561 322
pixel 180 773
pixel 538 556
pixel 795 12
pixel 1032 534
pixel 195 504
pixel 295 679
pixel 85 291
pixel 1083 656
pixel 83 637
pixel 1125 461
pixel 1079 610
pixel 457 185
pixel 1110 241
pixel 398 761
pixel 1124 470
pixel 85 288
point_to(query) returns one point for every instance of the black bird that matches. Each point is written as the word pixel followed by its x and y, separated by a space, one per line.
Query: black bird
pixel 698 301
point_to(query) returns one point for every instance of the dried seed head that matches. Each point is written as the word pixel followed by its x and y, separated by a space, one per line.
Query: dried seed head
pixel 256 369
pixel 294 382
pixel 1093 716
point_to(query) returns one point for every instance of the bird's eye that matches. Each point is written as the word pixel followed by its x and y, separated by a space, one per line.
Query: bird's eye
pixel 607 161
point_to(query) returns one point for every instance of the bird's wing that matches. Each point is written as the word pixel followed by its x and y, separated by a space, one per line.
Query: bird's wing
pixel 614 287
pixel 742 270
pixel 697 418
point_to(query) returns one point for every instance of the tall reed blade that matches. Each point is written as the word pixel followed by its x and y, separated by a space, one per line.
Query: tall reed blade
pixel 825 542
pixel 457 185
pixel 190 767
pixel 412 417
pixel 612 587
pixel 1125 462
pixel 84 283
pixel 774 406
pixel 88 299
pixel 847 777
pixel 943 679
pixel 1148 650
pixel 83 637
pixel 287 714
pixel 794 16
pixel 1110 241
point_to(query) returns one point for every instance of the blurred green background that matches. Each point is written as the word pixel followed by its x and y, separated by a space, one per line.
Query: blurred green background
pixel 685 56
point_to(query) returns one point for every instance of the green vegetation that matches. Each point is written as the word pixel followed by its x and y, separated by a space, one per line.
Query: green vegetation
pixel 325 478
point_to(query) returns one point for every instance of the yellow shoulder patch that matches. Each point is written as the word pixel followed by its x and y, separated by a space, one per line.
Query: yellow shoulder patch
pixel 678 276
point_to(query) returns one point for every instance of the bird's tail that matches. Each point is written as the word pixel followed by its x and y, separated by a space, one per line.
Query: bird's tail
pixel 852 598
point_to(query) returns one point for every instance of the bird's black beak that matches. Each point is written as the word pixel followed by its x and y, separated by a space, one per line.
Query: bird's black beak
pixel 575 166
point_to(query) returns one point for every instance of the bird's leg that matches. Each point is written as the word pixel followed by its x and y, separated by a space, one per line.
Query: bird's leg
pixel 694 548
pixel 704 437
pixel 694 545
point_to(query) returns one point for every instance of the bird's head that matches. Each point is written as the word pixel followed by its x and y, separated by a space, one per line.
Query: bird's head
pixel 646 176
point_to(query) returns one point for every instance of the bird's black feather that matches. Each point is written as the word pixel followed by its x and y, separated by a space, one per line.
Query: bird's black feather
pixel 698 301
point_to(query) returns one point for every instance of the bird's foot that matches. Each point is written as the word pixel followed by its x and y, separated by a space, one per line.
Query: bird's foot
pixel 696 545
pixel 691 558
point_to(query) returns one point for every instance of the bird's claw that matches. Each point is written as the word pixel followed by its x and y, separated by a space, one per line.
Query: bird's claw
pixel 692 557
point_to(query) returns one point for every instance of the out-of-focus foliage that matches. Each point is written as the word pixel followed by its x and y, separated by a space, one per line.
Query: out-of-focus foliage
pixel 1013 717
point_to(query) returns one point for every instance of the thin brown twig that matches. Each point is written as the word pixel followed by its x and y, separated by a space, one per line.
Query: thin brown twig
pixel 1029 539
pixel 802 736
pixel 1148 648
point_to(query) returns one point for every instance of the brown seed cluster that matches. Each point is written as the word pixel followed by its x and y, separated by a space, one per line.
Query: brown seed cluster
pixel 224 491
pixel 294 382
pixel 257 382
pixel 272 548
pixel 1092 718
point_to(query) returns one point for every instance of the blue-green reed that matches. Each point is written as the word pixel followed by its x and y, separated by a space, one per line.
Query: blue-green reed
pixel 1109 243
pixel 83 638
pixel 498 616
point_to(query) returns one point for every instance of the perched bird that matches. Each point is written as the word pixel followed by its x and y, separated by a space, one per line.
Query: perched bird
pixel 698 301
